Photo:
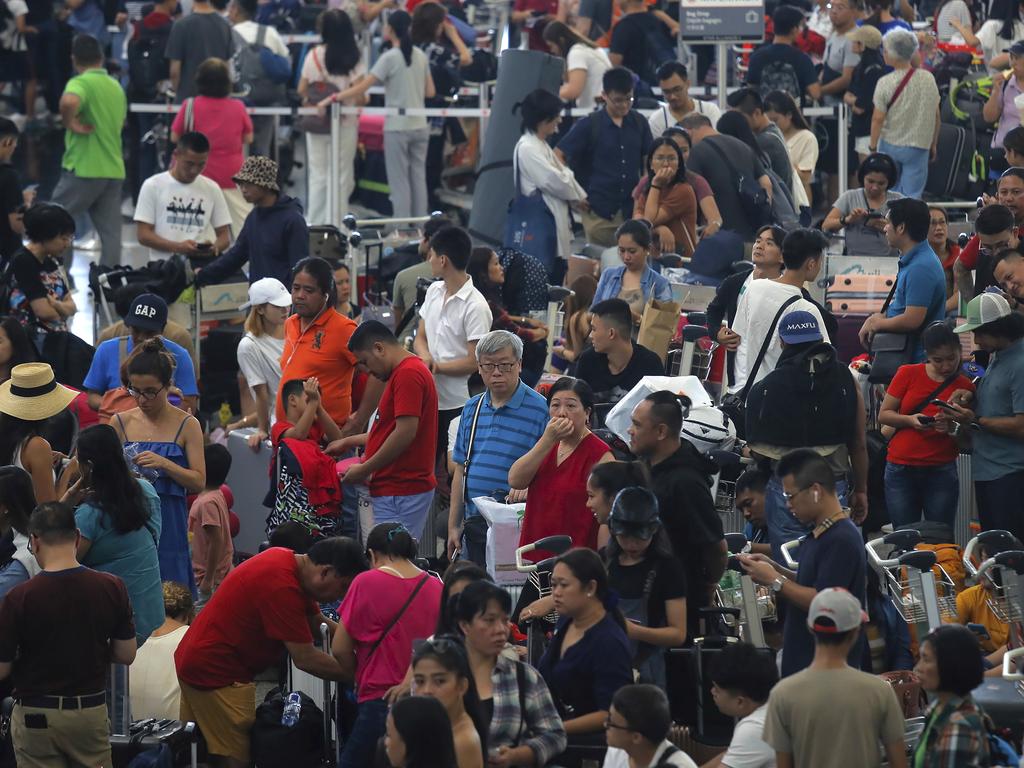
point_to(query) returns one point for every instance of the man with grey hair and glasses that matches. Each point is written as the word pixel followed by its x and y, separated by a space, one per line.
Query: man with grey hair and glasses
pixel 496 428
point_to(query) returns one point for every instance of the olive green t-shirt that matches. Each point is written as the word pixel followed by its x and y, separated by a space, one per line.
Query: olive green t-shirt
pixel 102 104
pixel 839 718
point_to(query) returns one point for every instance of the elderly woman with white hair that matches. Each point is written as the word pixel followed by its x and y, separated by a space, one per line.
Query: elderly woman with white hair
pixel 496 429
pixel 902 125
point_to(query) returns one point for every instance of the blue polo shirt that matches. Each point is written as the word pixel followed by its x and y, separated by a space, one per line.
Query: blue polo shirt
pixel 105 371
pixel 613 164
pixel 835 557
pixel 503 435
pixel 1000 393
pixel 921 282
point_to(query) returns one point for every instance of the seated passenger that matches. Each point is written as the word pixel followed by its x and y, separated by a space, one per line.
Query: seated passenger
pixel 153 684
pixel 637 729
pixel 742 676
pixel 615 364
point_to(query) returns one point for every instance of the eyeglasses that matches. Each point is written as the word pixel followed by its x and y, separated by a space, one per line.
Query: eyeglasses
pixel 144 394
pixel 992 248
pixel 791 496
pixel 503 367
pixel 609 725
pixel 620 101
pixel 664 160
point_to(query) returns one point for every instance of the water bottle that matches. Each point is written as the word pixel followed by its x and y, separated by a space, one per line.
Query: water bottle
pixel 131 450
pixel 292 710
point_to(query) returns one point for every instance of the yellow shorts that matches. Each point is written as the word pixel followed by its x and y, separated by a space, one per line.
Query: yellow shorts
pixel 224 715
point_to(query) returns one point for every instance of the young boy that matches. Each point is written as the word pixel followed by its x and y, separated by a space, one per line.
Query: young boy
pixel 210 527
pixel 305 417
pixel 12 199
pixel 742 677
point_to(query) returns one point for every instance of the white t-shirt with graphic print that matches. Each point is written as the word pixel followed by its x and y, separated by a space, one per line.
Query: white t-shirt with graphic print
pixel 182 211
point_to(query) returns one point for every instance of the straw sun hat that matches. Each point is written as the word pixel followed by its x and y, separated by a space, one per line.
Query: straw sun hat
pixel 33 394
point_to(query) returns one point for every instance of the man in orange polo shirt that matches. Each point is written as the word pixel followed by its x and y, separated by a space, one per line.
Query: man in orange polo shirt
pixel 316 339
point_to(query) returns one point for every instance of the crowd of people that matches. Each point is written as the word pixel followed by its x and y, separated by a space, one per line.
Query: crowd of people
pixel 385 441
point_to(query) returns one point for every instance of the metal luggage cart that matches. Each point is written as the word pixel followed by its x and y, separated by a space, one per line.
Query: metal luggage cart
pixel 730 463
pixel 736 590
pixel 695 356
pixel 539 576
pixel 920 589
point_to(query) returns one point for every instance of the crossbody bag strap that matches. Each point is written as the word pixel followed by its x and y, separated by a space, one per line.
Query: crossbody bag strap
pixel 733 171
pixel 892 292
pixel 934 393
pixel 469 452
pixel 764 346
pixel 401 611
pixel 190 116
pixel 900 87
pixel 521 686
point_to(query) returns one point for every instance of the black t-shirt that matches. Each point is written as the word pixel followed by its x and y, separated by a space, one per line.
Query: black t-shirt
pixel 669 584
pixel 610 388
pixel 10 201
pixel 632 36
pixel 28 273
pixel 92 607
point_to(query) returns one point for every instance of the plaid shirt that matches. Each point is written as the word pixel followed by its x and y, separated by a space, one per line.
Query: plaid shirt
pixel 957 738
pixel 541 728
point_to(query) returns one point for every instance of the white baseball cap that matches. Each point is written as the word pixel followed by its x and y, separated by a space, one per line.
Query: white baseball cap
pixel 835 610
pixel 268 290
pixel 983 309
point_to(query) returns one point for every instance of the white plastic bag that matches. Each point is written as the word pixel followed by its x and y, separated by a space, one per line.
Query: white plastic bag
pixel 503 523
pixel 618 418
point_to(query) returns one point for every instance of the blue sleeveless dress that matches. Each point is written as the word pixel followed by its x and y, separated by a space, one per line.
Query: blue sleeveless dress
pixel 173 551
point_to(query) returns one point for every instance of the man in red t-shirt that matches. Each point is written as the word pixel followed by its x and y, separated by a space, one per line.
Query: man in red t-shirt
pixel 265 605
pixel 398 464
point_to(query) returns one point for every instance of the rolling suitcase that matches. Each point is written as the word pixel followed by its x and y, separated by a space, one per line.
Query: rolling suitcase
pixel 129 739
pixel 857 294
pixel 847 341
pixel 949 175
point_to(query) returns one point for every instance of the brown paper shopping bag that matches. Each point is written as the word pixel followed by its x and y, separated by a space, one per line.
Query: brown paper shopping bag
pixel 658 325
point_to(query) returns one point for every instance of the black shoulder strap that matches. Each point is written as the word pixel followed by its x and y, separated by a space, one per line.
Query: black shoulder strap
pixel 469 451
pixel 521 687
pixel 725 159
pixel 764 346
pixel 670 750
pixel 892 292
pixel 401 611
pixel 934 393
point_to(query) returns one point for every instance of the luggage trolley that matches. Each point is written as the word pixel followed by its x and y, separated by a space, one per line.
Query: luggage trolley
pixel 539 577
pixel 920 589
pixel 736 590
pixel 698 349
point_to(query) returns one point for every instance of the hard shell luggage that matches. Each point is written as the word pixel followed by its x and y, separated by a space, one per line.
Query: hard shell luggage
pixel 949 175
pixel 129 739
pixel 857 294
pixel 847 341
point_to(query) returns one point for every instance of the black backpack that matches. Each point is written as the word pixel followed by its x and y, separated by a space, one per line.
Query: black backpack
pixel 279 746
pixel 147 65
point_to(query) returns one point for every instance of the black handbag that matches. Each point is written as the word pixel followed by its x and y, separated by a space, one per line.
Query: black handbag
pixel 891 350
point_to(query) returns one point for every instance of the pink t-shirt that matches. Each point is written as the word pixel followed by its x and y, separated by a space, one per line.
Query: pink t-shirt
pixel 224 122
pixel 210 508
pixel 370 604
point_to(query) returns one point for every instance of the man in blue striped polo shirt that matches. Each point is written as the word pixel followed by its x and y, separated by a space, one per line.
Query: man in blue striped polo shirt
pixel 510 419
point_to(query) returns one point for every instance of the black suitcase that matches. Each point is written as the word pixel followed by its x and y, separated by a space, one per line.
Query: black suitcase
pixel 949 175
pixel 128 739
pixel 1003 701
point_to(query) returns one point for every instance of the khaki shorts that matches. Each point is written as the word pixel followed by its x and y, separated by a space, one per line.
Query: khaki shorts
pixel 224 715
pixel 58 738
pixel 599 231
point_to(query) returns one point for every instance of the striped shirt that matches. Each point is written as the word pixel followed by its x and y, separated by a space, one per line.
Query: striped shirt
pixel 503 435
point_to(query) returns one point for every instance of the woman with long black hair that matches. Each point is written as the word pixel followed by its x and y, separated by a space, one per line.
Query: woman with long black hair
pixel 440 670
pixel 119 519
pixel 17 500
pixel 404 71
pixel 667 200
pixel 337 62
pixel 801 143
pixel 15 347
pixel 419 734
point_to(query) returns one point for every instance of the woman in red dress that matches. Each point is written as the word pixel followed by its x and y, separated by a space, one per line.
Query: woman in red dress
pixel 556 469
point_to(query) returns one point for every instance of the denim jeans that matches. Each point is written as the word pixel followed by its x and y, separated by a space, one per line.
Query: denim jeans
pixel 782 524
pixel 913 166
pixel 911 491
pixel 411 511
pixel 361 745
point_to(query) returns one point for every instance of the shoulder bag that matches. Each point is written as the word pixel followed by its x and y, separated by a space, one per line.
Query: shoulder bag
pixel 315 93
pixel 891 350
pixel 530 225
pixel 473 528
pixel 735 404
pixel 753 199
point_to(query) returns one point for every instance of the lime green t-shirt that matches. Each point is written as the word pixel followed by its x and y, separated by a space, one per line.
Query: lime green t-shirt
pixel 97 155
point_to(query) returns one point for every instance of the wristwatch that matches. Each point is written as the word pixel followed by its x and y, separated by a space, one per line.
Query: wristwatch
pixel 842 220
pixel 777 584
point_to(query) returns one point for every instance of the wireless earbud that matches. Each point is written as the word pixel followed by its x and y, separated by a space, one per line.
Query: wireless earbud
pixel 815 497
